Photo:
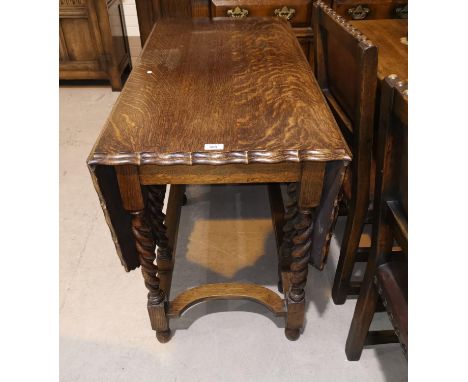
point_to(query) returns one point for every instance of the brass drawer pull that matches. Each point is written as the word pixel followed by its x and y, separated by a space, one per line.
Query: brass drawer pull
pixel 285 12
pixel 402 12
pixel 237 13
pixel 359 13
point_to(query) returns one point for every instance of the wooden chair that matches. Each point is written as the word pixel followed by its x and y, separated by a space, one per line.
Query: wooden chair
pixel 346 70
pixel 387 273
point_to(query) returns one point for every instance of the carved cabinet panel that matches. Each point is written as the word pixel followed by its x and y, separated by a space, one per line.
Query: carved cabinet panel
pixel 92 40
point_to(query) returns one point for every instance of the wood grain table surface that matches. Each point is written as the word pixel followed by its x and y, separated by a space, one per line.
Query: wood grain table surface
pixel 387 35
pixel 242 84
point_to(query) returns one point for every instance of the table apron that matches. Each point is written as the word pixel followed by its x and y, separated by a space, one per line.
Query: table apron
pixel 221 174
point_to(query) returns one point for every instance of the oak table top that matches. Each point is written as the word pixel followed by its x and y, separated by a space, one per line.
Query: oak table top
pixel 209 82
pixel 387 35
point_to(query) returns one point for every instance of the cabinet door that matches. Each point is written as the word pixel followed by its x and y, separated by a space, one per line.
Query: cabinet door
pixel 81 46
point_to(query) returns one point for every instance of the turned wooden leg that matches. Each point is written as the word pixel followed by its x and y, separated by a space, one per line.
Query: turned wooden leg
pixel 277 217
pixel 156 217
pixel 297 241
pixel 146 246
pixel 145 242
pixel 288 233
pixel 162 232
pixel 155 203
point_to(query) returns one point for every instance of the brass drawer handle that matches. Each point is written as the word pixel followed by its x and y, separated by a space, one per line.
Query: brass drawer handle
pixel 237 13
pixel 359 13
pixel 285 13
pixel 402 12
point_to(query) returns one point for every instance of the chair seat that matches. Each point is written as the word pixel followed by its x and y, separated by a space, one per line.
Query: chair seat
pixel 392 282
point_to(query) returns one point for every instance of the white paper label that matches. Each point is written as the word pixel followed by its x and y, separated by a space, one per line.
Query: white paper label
pixel 214 146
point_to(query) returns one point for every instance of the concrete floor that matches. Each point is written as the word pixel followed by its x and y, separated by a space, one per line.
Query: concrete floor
pixel 225 234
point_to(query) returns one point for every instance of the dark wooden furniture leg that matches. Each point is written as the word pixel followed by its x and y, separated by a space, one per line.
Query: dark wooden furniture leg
pixel 295 249
pixel 277 217
pixel 165 228
pixel 154 205
pixel 116 84
pixel 353 231
pixel 156 217
pixel 363 314
pixel 297 239
pixel 146 240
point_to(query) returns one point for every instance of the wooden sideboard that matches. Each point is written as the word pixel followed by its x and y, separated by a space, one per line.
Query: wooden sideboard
pixel 371 9
pixel 298 12
pixel 93 41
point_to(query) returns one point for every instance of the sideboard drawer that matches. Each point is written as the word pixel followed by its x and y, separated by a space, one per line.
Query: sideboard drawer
pixel 298 12
pixel 371 9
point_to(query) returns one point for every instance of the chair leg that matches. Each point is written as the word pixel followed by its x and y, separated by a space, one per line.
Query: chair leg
pixel 349 246
pixel 362 318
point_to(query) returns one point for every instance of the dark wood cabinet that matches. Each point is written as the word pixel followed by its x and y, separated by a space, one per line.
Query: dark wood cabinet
pixel 371 9
pixel 93 41
pixel 297 12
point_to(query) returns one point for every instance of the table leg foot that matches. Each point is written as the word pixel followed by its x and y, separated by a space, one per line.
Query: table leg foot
pixel 294 317
pixel 164 336
pixel 157 308
pixel 292 334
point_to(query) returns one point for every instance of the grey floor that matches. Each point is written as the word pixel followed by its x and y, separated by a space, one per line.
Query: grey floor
pixel 225 234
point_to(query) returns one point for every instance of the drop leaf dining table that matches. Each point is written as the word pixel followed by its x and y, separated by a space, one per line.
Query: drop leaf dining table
pixel 210 102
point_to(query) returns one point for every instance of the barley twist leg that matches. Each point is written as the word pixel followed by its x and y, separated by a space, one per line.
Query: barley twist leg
pixel 156 218
pixel 145 245
pixel 298 240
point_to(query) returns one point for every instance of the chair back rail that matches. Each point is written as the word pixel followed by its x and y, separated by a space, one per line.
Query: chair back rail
pixel 346 67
